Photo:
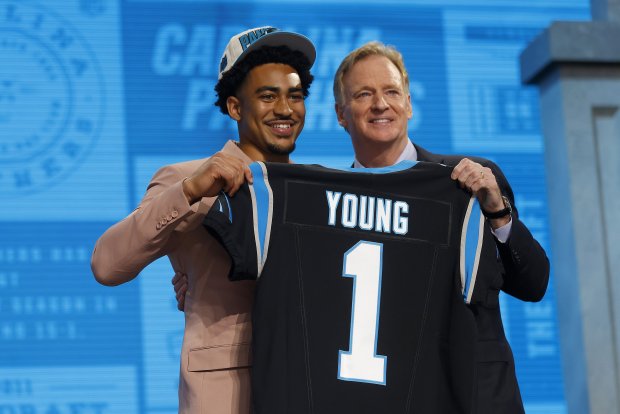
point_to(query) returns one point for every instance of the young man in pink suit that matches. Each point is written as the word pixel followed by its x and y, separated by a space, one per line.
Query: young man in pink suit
pixel 264 77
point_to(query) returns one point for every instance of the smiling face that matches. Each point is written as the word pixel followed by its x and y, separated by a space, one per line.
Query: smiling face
pixel 376 106
pixel 269 109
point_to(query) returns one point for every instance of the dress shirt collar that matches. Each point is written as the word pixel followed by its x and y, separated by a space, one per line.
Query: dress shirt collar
pixel 409 153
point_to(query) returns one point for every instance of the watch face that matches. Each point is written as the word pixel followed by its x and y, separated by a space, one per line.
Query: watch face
pixel 507 204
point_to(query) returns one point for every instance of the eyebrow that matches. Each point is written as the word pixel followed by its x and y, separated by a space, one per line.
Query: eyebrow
pixel 276 89
pixel 384 86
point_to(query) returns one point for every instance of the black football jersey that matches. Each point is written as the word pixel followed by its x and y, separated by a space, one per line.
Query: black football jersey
pixel 363 280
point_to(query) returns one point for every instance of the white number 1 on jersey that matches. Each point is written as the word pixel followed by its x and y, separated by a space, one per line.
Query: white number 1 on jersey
pixel 363 262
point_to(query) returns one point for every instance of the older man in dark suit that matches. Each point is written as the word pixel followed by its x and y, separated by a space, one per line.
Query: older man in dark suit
pixel 373 103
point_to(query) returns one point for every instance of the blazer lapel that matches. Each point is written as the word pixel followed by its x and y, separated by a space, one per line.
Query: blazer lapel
pixel 424 155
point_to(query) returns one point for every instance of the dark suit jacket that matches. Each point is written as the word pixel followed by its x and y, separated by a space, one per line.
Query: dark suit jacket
pixel 521 269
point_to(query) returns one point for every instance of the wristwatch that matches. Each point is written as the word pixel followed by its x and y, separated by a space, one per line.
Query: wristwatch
pixel 507 210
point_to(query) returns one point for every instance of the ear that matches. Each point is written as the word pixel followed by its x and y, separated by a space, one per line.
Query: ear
pixel 340 115
pixel 409 108
pixel 234 107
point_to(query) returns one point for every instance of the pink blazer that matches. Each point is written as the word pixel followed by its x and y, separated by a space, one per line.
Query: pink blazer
pixel 215 357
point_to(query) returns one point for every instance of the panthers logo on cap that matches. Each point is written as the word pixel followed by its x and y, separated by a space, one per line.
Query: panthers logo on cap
pixel 252 36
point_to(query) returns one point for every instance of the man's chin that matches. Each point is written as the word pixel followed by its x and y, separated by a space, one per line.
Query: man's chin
pixel 380 139
pixel 281 149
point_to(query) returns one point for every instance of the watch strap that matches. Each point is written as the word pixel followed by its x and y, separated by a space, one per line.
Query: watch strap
pixel 507 210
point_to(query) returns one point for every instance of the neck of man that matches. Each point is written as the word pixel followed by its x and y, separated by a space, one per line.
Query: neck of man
pixel 379 154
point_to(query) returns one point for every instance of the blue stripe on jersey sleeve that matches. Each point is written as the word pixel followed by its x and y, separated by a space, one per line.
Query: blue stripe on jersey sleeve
pixel 230 217
pixel 472 247
pixel 222 204
pixel 263 206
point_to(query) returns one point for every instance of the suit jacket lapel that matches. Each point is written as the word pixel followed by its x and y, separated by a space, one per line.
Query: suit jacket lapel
pixel 424 155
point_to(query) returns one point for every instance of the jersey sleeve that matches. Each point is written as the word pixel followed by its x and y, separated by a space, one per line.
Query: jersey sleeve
pixel 242 224
pixel 476 241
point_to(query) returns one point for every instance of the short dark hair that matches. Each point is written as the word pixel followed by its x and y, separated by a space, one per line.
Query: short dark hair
pixel 233 79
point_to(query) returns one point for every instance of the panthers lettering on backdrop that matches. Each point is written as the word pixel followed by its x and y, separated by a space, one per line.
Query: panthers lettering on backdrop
pixel 95 95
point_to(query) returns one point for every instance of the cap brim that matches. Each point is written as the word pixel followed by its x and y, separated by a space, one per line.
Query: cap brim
pixel 294 41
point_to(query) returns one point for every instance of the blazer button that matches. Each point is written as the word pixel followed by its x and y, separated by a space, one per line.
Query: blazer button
pixel 158 226
pixel 174 213
pixel 169 217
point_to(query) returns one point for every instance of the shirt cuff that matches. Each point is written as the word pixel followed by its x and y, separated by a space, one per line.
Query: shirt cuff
pixel 502 233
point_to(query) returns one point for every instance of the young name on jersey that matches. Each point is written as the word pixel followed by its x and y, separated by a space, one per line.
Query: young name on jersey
pixel 368 213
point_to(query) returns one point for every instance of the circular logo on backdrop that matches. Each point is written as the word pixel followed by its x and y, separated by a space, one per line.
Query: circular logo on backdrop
pixel 51 98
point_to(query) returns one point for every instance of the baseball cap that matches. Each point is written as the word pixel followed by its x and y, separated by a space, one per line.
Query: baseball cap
pixel 243 43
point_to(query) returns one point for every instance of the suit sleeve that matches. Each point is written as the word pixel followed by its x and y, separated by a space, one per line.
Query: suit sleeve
pixel 149 232
pixel 525 263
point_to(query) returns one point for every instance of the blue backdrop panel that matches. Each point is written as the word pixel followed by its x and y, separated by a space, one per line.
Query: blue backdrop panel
pixel 96 389
pixel 174 56
pixel 66 344
pixel 61 115
pixel 95 95
pixel 52 314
